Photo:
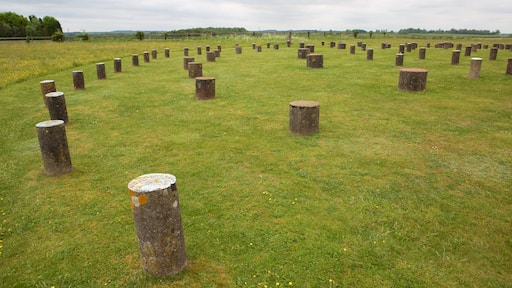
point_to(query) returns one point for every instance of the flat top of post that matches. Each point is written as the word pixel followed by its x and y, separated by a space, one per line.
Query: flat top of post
pixel 49 123
pixel 46 81
pixel 476 59
pixel 151 182
pixel 54 94
pixel 413 70
pixel 205 78
pixel 304 103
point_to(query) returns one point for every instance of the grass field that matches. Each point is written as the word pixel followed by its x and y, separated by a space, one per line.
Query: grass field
pixel 397 189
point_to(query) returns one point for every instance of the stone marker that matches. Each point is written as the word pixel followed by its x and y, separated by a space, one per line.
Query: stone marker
pixel 135 59
pixel 54 147
pixel 158 225
pixel 146 56
pixel 369 54
pixel 342 45
pixel 315 60
pixel 117 65
pixel 205 88
pixel 47 86
pixel 210 56
pixel 401 48
pixel 258 48
pixel 455 57
pixel 422 53
pixel 57 106
pixel 199 50
pixel 493 54
pixel 187 60
pixel 195 69
pixel 167 52
pixel 217 53
pixel 509 67
pixel 399 60
pixel 311 48
pixel 302 53
pixel 474 68
pixel 412 79
pixel 304 117
pixel 238 50
pixel 78 80
pixel 467 51
pixel 352 49
pixel 185 51
pixel 153 54
pixel 100 71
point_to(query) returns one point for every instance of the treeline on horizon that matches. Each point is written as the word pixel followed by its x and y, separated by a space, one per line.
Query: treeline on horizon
pixel 14 25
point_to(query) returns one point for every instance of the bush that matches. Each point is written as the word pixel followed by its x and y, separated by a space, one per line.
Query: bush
pixel 58 37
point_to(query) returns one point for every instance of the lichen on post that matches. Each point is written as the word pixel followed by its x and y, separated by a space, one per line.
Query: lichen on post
pixel 157 217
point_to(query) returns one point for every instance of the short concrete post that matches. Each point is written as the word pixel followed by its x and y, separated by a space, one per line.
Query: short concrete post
pixel 509 67
pixel 302 45
pixel 185 51
pixel 288 43
pixel 158 225
pixel 352 49
pixel 100 71
pixel 401 48
pixel 302 53
pixel 205 88
pixel 78 80
pixel 187 60
pixel 315 60
pixel 493 54
pixel 399 60
pixel 268 45
pixel 304 117
pixel 47 86
pixel 57 106
pixel 238 50
pixel 135 59
pixel 167 52
pixel 467 51
pixel 217 53
pixel 363 46
pixel 474 68
pixel 146 57
pixel 258 48
pixel 207 48
pixel 276 46
pixel 455 57
pixel 195 69
pixel 199 50
pixel 153 54
pixel 219 47
pixel 342 45
pixel 210 56
pixel 422 53
pixel 412 79
pixel 311 48
pixel 54 147
pixel 117 65
pixel 369 54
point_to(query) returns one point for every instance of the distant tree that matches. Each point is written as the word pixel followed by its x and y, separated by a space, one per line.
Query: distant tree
pixel 371 34
pixel 12 25
pixel 139 35
pixel 50 26
pixel 355 33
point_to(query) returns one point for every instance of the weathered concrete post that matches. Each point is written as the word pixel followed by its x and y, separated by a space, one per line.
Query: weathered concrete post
pixel 117 65
pixel 153 53
pixel 195 69
pixel 207 48
pixel 199 50
pixel 54 147
pixel 205 88
pixel 57 106
pixel 219 47
pixel 412 79
pixel 399 60
pixel 467 51
pixel 493 54
pixel 369 54
pixel 302 53
pixel 474 68
pixel 78 79
pixel 288 43
pixel 210 56
pixel 238 49
pixel 258 48
pixel 100 71
pixel 158 225
pixel 422 53
pixel 315 60
pixel 185 51
pixel 455 57
pixel 187 60
pixel 401 48
pixel 217 53
pixel 146 57
pixel 352 49
pixel 304 117
pixel 342 45
pixel 311 48
pixel 47 86
pixel 276 46
pixel 135 59
pixel 167 52
pixel 509 67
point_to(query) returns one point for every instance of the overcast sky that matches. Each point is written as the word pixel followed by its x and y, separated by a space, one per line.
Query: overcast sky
pixel 325 15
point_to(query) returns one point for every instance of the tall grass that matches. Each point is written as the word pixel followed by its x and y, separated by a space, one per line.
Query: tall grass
pixel 396 190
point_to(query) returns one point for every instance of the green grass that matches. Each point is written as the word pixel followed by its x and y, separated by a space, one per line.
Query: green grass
pixel 396 190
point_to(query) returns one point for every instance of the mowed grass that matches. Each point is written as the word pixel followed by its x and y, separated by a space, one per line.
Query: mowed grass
pixel 397 189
